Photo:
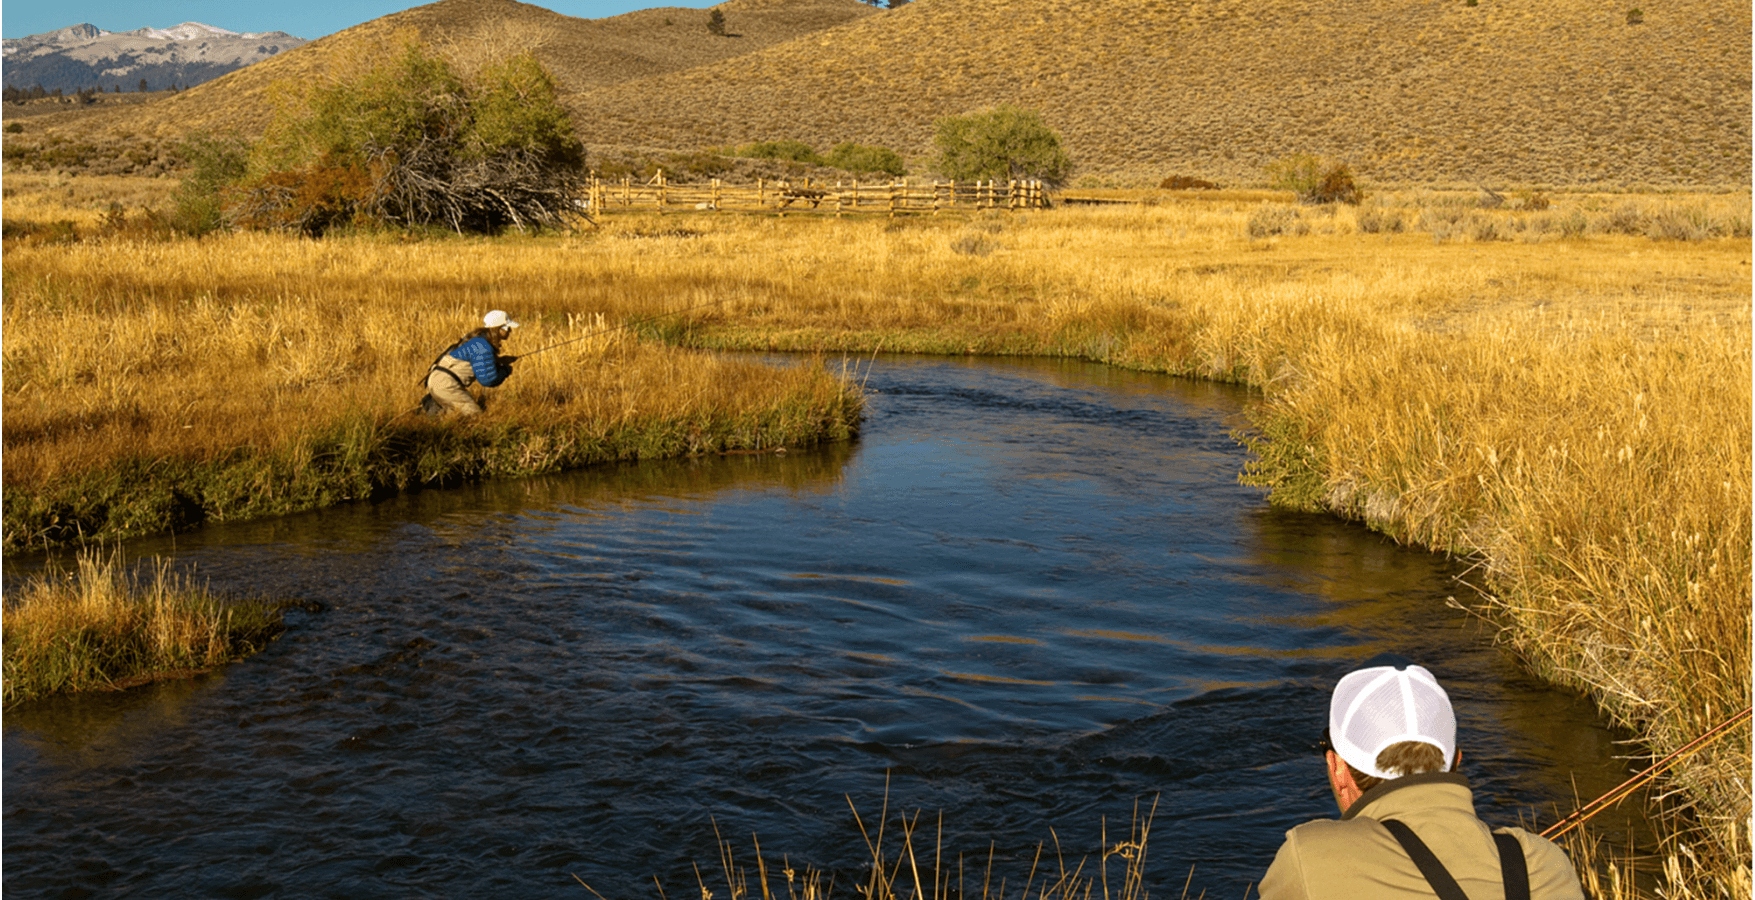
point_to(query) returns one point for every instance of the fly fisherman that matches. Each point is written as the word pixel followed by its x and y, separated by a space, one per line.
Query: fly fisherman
pixel 1408 826
pixel 474 359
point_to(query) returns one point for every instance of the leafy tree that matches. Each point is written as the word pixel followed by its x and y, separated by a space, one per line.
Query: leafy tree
pixel 410 142
pixel 1005 142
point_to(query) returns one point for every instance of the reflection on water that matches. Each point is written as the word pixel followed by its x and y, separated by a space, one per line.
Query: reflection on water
pixel 1030 596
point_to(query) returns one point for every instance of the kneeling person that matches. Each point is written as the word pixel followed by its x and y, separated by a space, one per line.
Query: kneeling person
pixel 475 359
pixel 1408 826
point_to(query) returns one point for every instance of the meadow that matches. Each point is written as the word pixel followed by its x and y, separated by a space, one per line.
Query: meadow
pixel 1553 387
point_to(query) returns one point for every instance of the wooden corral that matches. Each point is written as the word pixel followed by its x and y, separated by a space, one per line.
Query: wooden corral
pixel 840 198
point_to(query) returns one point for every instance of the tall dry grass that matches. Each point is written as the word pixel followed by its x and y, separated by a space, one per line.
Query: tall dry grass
pixel 916 866
pixel 1567 406
pixel 101 626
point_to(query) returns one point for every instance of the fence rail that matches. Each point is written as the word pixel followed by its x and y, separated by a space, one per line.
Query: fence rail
pixel 840 198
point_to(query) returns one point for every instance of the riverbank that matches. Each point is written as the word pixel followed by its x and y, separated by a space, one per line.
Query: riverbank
pixel 1559 393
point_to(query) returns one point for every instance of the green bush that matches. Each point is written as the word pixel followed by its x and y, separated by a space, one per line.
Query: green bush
pixel 212 163
pixel 851 157
pixel 787 151
pixel 1315 180
pixel 411 143
pixel 1006 142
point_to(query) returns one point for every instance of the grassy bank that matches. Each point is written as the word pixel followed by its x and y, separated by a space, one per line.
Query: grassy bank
pixel 1557 388
pixel 100 627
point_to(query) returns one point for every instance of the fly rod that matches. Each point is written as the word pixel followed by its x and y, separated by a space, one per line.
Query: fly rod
pixel 601 331
pixel 1621 791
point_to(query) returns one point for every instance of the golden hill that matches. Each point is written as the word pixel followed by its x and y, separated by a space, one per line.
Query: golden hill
pixel 1501 93
pixel 1504 92
pixel 583 54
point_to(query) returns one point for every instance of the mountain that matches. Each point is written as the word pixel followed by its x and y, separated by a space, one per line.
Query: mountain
pixel 85 56
pixel 1562 93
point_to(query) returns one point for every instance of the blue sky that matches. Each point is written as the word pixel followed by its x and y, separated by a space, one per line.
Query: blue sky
pixel 309 19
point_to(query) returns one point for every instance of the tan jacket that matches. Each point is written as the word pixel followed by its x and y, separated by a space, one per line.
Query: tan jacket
pixel 1356 858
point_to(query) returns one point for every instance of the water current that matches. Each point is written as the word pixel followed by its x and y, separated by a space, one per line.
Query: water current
pixel 1028 601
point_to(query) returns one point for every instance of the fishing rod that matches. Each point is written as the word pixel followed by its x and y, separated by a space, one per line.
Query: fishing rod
pixel 1621 791
pixel 602 331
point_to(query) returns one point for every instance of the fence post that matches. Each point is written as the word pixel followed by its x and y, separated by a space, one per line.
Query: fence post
pixel 892 199
pixel 661 192
pixel 855 193
pixel 935 200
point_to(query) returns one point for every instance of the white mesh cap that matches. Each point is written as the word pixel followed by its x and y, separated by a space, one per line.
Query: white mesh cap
pixel 1374 708
pixel 498 319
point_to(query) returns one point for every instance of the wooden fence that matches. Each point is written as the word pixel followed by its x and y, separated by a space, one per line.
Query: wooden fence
pixel 840 198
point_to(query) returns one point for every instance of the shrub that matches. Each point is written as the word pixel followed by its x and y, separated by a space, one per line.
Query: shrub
pixel 1315 180
pixel 1380 220
pixel 1006 142
pixel 212 163
pixel 1186 183
pixel 716 22
pixel 411 143
pixel 1270 220
pixel 851 157
pixel 788 151
pixel 1636 16
pixel 973 245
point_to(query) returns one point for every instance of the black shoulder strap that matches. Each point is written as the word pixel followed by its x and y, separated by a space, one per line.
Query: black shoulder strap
pixel 1512 866
pixel 1436 874
pixel 442 354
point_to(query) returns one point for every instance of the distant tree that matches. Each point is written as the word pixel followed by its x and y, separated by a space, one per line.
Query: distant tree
pixel 410 142
pixel 896 4
pixel 716 22
pixel 1315 180
pixel 142 87
pixel 1002 143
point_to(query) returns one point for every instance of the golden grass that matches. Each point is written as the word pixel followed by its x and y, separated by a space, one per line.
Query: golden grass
pixel 1567 406
pixel 100 628
pixel 920 869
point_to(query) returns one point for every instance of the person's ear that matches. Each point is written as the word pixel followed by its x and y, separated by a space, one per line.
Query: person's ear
pixel 1340 781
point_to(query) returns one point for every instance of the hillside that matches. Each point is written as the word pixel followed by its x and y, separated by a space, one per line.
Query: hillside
pixel 583 54
pixel 1504 93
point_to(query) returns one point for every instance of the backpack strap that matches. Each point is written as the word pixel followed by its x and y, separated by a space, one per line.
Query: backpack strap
pixel 442 354
pixel 1512 866
pixel 1436 874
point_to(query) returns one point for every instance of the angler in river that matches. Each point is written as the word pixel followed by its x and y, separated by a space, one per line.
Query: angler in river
pixel 474 359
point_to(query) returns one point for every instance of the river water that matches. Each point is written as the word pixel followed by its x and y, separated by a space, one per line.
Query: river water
pixel 1029 600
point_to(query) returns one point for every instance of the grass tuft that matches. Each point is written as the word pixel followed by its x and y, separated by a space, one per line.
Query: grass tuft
pixel 101 627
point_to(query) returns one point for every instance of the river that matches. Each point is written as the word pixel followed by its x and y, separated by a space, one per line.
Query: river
pixel 1029 602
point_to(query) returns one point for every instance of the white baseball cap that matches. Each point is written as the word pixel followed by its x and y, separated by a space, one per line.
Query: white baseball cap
pixel 498 319
pixel 1374 708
